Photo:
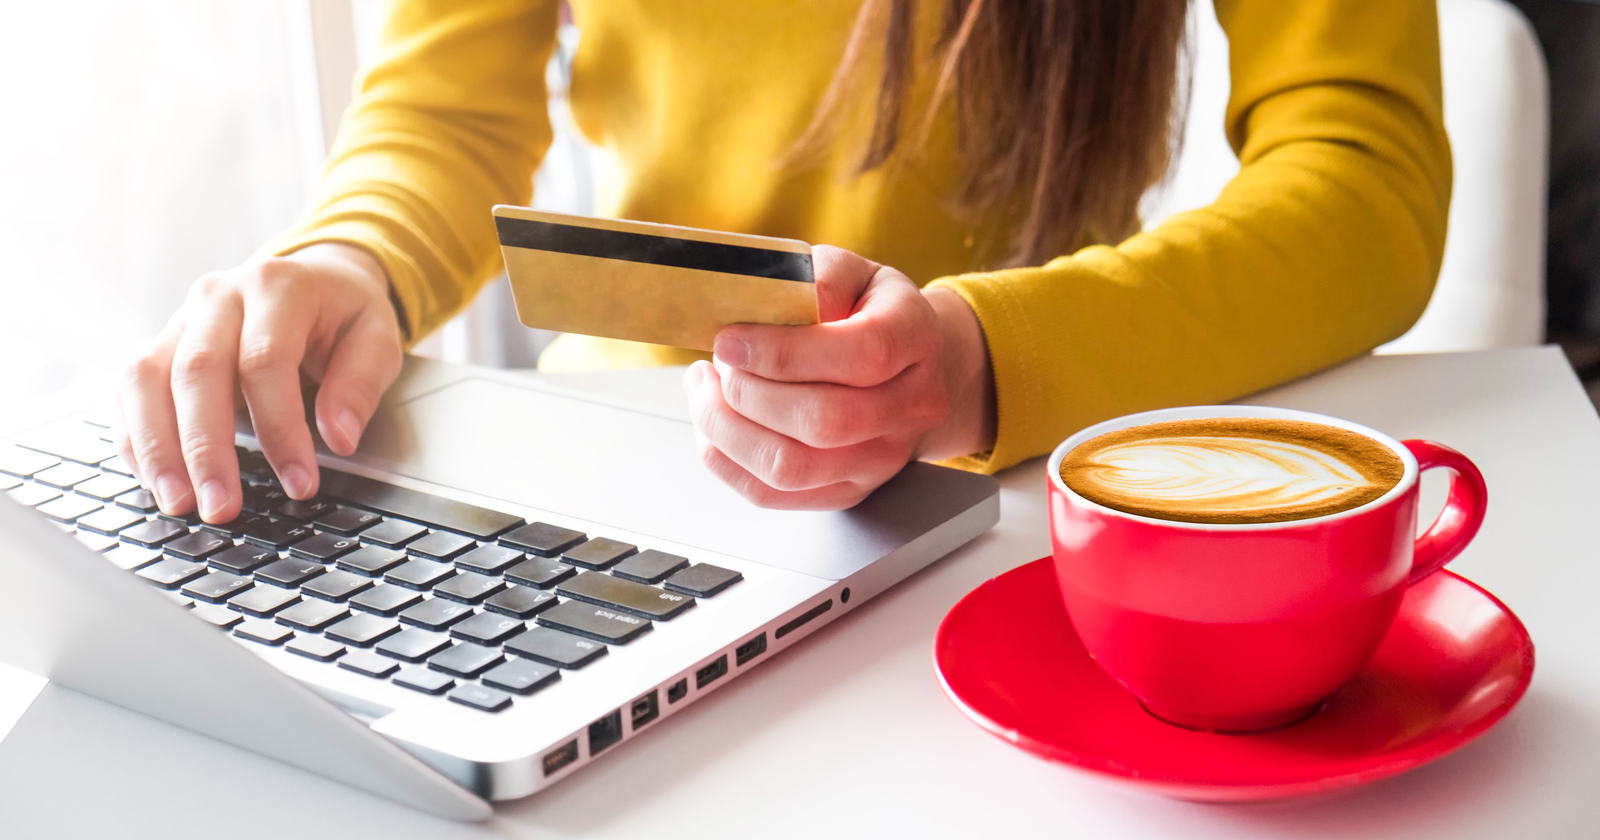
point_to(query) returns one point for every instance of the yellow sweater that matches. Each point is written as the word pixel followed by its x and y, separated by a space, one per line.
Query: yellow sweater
pixel 1325 245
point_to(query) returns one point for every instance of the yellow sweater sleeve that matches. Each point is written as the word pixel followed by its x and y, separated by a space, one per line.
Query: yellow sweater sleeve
pixel 1326 244
pixel 450 121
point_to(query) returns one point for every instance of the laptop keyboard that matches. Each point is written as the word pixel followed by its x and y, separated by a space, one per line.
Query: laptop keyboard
pixel 435 595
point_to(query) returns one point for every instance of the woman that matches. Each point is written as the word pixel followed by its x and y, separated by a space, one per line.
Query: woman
pixel 991 152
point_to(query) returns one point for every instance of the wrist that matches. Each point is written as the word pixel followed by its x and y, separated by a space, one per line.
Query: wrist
pixel 970 424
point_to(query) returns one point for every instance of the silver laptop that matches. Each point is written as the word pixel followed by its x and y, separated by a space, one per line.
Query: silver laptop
pixel 509 581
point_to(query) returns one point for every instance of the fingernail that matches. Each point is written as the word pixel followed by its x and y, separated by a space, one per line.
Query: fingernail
pixel 692 377
pixel 169 491
pixel 212 497
pixel 732 351
pixel 350 428
pixel 722 367
pixel 295 480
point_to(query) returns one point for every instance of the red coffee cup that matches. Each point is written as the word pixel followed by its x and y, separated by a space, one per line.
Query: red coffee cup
pixel 1248 627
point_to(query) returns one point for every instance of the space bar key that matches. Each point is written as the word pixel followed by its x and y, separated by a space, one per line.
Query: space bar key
pixel 476 522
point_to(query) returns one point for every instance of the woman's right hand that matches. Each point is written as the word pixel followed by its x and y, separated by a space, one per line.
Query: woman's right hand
pixel 250 334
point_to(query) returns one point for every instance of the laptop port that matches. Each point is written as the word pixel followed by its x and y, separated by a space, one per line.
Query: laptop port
pixel 644 710
pixel 678 691
pixel 605 732
pixel 750 650
pixel 560 756
pixel 709 674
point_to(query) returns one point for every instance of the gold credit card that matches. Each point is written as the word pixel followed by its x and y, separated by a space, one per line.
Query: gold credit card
pixel 660 284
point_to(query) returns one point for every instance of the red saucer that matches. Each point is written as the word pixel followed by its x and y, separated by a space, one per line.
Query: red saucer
pixel 1455 661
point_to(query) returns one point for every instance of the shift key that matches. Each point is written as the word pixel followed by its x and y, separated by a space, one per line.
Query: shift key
pixel 626 595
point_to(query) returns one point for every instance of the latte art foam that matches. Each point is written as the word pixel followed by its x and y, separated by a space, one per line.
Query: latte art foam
pixel 1232 470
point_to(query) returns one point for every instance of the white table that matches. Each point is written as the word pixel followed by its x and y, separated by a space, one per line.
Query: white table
pixel 848 734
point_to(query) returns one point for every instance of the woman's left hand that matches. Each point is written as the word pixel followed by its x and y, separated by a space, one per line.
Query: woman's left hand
pixel 816 417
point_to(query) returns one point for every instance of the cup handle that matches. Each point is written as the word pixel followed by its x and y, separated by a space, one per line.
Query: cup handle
pixel 1463 510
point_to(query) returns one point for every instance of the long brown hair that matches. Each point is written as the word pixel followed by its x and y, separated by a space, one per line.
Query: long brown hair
pixel 1066 110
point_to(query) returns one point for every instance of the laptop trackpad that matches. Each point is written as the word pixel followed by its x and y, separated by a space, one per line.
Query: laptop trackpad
pixel 640 471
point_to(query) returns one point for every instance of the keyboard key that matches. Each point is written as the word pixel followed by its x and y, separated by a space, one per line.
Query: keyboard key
pixel 109 520
pixel 24 463
pixel 262 498
pixel 424 680
pixel 392 533
pixel 650 566
pixel 324 548
pixel 435 614
pixel 369 663
pixel 554 647
pixel 217 587
pixel 69 507
pixel 305 510
pixel 487 629
pixel 599 623
pixel 521 676
pixel 64 476
pixel 33 495
pixel 313 615
pixel 347 521
pixel 440 545
pixel 198 545
pixel 117 465
pixel 316 647
pixel 490 559
pixel 254 467
pixel 236 527
pixel 9 482
pixel 106 487
pixel 191 519
pixel 263 631
pixel 217 615
pixel 598 553
pixel 172 573
pixel 180 599
pixel 481 698
pixel 413 645
pixel 131 557
pixel 477 522
pixel 96 542
pixel 466 660
pixel 337 586
pixel 420 574
pixel 539 572
pixel 84 448
pixel 140 500
pixel 469 587
pixel 264 601
pixel 363 630
pixel 289 573
pixel 279 535
pixel 153 533
pixel 243 559
pixel 543 539
pixel 386 600
pixel 703 580
pixel 371 560
pixel 520 601
pixel 626 595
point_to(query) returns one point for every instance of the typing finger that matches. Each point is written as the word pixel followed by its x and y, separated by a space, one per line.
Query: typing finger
pixel 203 369
pixel 272 344
pixel 363 365
pixel 144 399
pixel 825 415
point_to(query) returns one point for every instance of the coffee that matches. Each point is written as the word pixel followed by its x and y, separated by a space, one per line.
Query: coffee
pixel 1232 470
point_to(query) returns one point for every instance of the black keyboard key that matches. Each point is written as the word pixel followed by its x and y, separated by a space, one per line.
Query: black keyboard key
pixel 650 566
pixel 554 647
pixel 392 533
pixel 69 507
pixel 237 527
pixel 371 560
pixel 521 676
pixel 131 557
pixel 33 495
pixel 602 624
pixel 305 510
pixel 703 580
pixel 280 534
pixel 520 601
pixel 487 629
pixel 217 587
pixel 347 521
pixel 626 595
pixel 424 680
pixel 413 645
pixel 290 572
pixel 469 587
pixel 243 559
pixel 435 614
pixel 337 586
pixel 263 631
pixel 440 545
pixel 140 500
pixel 481 698
pixel 312 615
pixel 109 520
pixel 316 647
pixel 369 663
pixel 599 553
pixel 189 520
pixel 180 599
pixel 386 600
pixel 477 522
pixel 253 466
pixel 262 498
pixel 420 574
pixel 539 572
pixel 172 573
pixel 198 545
pixel 95 542
pixel 466 660
pixel 543 539
pixel 363 630
pixel 324 548
pixel 106 487
pixel 24 463
pixel 85 448
pixel 218 616
pixel 264 601
pixel 490 559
